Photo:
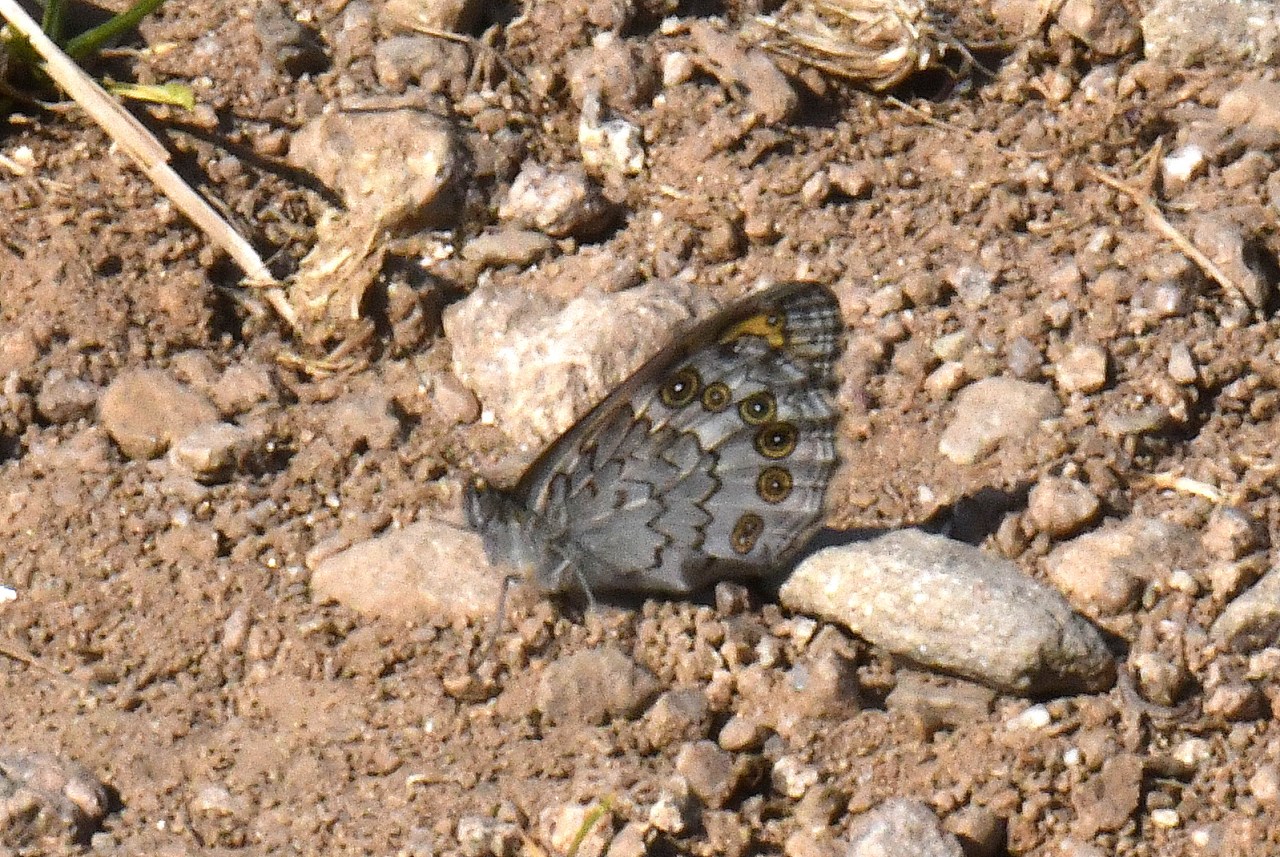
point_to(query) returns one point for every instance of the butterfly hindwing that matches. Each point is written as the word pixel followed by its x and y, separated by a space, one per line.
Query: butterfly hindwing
pixel 711 461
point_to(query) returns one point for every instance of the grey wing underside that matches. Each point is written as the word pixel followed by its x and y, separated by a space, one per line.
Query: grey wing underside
pixel 645 500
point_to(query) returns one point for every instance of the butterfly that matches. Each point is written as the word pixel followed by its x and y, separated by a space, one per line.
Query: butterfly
pixel 711 462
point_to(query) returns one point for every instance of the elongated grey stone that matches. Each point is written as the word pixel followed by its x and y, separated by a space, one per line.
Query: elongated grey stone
pixel 953 607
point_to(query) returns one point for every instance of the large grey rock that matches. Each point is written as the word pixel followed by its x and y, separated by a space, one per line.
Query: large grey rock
pixel 954 607
pixel 538 365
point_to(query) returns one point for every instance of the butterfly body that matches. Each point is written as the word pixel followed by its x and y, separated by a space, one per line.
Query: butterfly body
pixel 710 462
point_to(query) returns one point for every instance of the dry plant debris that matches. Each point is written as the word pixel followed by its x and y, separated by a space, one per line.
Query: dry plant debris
pixel 876 42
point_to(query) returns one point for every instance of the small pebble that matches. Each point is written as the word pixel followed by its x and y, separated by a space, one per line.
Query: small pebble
pixel 672 812
pixel 146 410
pixel 1182 165
pixel 741 734
pixel 63 400
pixel 211 452
pixel 1062 507
pixel 564 828
pixel 480 836
pixel 1252 620
pixel 1082 370
pixel 852 180
pixel 519 247
pixel 593 687
pixel 1264 785
pixel 901 827
pixel 1232 534
pixel 1182 367
pixel 677 68
pixel 561 203
pixel 1036 717
pixel 981 832
pixel 677 715
pixel 793 777
pixel 1234 702
pixel 1105 572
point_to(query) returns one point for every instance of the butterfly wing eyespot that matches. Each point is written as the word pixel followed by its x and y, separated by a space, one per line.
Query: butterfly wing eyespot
pixel 717 396
pixel 746 532
pixel 777 440
pixel 682 388
pixel 774 484
pixel 758 408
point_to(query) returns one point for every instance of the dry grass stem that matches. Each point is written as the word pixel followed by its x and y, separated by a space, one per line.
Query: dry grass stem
pixel 142 147
pixel 1161 224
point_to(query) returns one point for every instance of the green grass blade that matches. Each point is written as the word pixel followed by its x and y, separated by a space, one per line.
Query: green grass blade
pixel 51 22
pixel 176 94
pixel 91 41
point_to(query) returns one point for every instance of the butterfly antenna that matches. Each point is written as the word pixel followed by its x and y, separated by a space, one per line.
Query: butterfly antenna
pixel 499 619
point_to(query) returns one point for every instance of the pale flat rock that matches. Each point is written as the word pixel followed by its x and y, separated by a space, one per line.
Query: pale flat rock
pixel 994 410
pixel 1184 33
pixel 538 364
pixel 1104 573
pixel 392 168
pixel 1252 621
pixel 594 686
pixel 901 828
pixel 211 452
pixel 147 410
pixel 954 607
pixel 428 569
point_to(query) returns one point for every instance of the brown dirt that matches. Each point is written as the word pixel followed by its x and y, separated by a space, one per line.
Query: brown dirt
pixel 163 635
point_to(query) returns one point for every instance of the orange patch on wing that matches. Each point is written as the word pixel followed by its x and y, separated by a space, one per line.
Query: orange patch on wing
pixel 767 326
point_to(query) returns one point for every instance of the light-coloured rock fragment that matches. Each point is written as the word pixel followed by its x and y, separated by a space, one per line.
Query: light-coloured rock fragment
pixel 1060 506
pixel 559 202
pixel 901 827
pixel 1252 621
pixel 428 569
pixel 993 410
pixel 953 607
pixel 1083 369
pixel 210 452
pixel 538 365
pixel 1183 33
pixel 593 686
pixel 64 400
pixel 1103 573
pixel 508 247
pixel 146 410
pixel 392 168
pixel 47 804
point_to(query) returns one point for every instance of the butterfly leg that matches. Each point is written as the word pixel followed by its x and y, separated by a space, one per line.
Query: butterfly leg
pixel 499 619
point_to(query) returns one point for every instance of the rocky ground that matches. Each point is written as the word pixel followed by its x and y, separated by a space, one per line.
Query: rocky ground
pixel 236 615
